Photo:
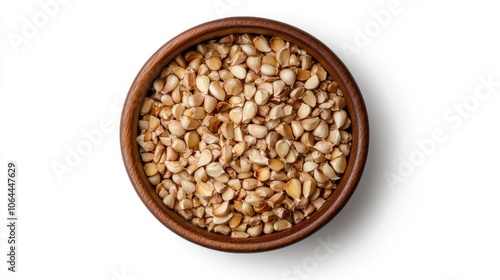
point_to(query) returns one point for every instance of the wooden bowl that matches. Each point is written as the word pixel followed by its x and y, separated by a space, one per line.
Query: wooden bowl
pixel 216 29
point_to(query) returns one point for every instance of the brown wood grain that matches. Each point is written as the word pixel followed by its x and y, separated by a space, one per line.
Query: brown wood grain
pixel 215 29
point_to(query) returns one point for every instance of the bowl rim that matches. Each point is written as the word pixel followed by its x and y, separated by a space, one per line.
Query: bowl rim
pixel 217 29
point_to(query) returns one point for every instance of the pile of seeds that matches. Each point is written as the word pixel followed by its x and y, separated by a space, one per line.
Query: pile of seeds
pixel 245 135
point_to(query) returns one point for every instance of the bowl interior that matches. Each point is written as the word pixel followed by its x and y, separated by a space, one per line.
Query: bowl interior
pixel 216 29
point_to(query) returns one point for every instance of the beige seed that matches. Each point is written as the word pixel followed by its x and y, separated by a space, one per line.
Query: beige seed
pixel 189 123
pixel 254 200
pixel 214 169
pixel 189 80
pixel 329 172
pixel 178 145
pixel 305 61
pixel 339 164
pixel 186 214
pixel 310 124
pixel 276 199
pixel 320 177
pixel 233 86
pixel 285 130
pixel 176 128
pixel 222 210
pixel 202 83
pixel 196 99
pixel 322 130
pixel 254 63
pixel 303 75
pixel 209 138
pixel 309 98
pixel 263 174
pixel 317 203
pixel 235 220
pixel 226 155
pixel 293 188
pixel 234 184
pixel 334 136
pixel 250 184
pixel 154 122
pixel 288 76
pixel 324 147
pixel 227 130
pixel 261 44
pixel 261 97
pixel 308 188
pixel 158 84
pixel 197 113
pixel 244 175
pixel 298 216
pixel 275 164
pixel 340 118
pixel 282 225
pixel 277 43
pixel 269 216
pixel 320 72
pixel 222 220
pixel 178 111
pixel 169 201
pixel 297 129
pixel 318 157
pixel 209 104
pixel 236 115
pixel 309 166
pixel 217 91
pixel 283 57
pixel 205 158
pixel 255 230
pixel 150 169
pixel 204 189
pixel 312 82
pixel 322 97
pixel 238 71
pixel 228 194
pixel 264 192
pixel 247 209
pixel 186 204
pixel 200 175
pixel 257 131
pixel 268 70
pixel 212 60
pixel 268 228
pixel 174 166
pixel 307 139
pixel 282 148
pixel 171 84
pixel 171 154
pixel 338 103
pixel 239 234
pixel 264 85
pixel 269 60
pixel 146 157
pixel 222 229
pixel 192 139
pixel 199 211
pixel 188 187
pixel 304 111
pixel 240 148
pixel 276 112
pixel 257 157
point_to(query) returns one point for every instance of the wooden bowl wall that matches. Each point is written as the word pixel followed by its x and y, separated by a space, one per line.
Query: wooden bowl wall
pixel 216 29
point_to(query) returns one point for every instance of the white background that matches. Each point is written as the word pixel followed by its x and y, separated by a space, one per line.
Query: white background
pixel 438 218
